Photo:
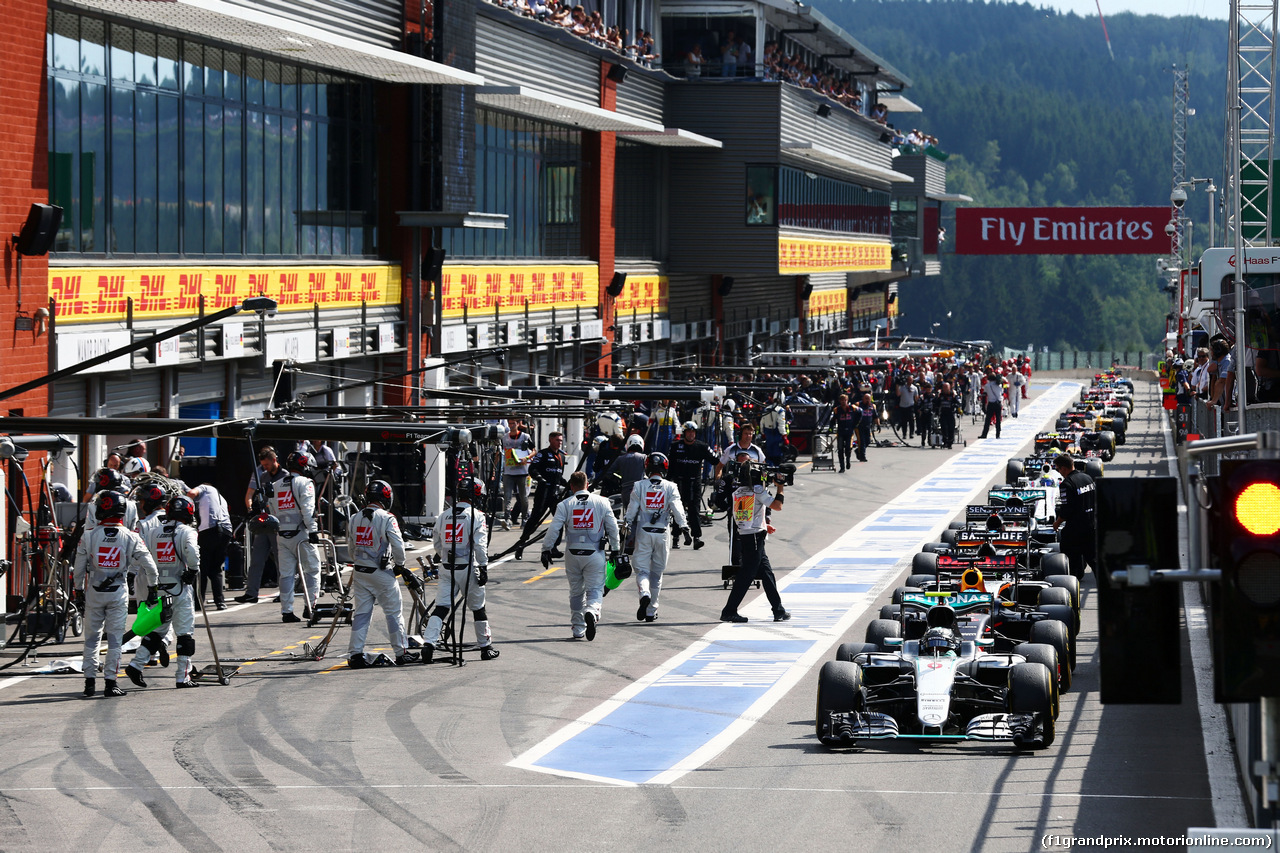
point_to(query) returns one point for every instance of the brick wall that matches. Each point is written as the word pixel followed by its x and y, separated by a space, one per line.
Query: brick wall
pixel 24 178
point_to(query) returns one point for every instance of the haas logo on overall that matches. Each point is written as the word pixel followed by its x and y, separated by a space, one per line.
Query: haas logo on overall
pixel 109 557
pixel 364 537
pixel 655 500
pixel 166 553
pixel 454 532
pixel 584 518
pixel 284 498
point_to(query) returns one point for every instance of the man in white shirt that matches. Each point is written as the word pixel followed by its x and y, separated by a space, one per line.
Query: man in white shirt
pixel 992 399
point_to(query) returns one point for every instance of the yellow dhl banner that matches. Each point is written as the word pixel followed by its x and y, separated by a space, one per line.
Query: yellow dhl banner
pixel 828 301
pixel 802 255
pixel 642 294
pixel 483 288
pixel 99 294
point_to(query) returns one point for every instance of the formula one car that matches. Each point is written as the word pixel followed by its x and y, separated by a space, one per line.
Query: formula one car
pixel 1098 446
pixel 945 685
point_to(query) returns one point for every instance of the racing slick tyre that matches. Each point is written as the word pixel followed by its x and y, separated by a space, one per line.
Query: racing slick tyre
pixel 957 525
pixel 923 564
pixel 1053 595
pixel 1067 617
pixel 1031 692
pixel 1047 655
pixel 1055 634
pixel 882 629
pixel 1055 563
pixel 1014 469
pixel 839 689
pixel 899 592
pixel 1060 424
pixel 848 651
pixel 1093 467
pixel 1065 580
pixel 932 547
pixel 1108 449
pixel 889 611
pixel 948 537
pixel 921 581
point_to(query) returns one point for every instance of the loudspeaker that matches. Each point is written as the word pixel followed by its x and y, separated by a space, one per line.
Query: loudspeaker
pixel 38 232
pixel 617 73
pixel 824 110
pixel 807 290
pixel 619 279
pixel 893 297
pixel 726 285
pixel 433 264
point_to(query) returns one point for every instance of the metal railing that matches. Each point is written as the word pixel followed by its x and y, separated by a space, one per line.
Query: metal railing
pixel 1093 360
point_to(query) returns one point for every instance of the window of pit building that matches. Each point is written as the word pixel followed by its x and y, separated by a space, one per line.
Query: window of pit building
pixel 809 200
pixel 531 171
pixel 762 195
pixel 167 146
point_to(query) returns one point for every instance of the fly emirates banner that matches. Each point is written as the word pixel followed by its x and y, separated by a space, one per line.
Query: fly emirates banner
pixel 1062 230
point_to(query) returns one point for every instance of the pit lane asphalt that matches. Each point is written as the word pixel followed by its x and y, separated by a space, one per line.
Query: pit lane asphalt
pixel 290 758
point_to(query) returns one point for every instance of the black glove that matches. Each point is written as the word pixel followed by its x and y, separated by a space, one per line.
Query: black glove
pixel 189 577
pixel 314 537
pixel 153 596
pixel 612 557
pixel 399 571
pixel 484 576
pixel 688 536
pixel 546 559
pixel 132 576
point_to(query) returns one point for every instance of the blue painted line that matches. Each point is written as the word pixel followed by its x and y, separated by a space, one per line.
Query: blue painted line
pixel 806 586
pixel 693 706
pixel 679 712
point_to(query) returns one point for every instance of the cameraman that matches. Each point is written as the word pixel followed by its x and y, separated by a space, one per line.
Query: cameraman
pixel 751 506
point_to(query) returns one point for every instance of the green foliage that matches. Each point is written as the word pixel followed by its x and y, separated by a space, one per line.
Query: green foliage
pixel 1036 113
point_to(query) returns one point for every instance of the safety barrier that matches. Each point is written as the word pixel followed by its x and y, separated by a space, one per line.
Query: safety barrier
pixel 1093 360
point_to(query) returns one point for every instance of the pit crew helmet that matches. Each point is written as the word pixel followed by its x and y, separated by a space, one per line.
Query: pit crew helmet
pixel 689 425
pixel 939 641
pixel 134 466
pixel 110 505
pixel 181 508
pixel 108 480
pixel 635 442
pixel 150 496
pixel 656 464
pixel 379 492
pixel 299 462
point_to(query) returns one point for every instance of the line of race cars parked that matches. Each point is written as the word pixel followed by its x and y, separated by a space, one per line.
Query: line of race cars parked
pixel 981 642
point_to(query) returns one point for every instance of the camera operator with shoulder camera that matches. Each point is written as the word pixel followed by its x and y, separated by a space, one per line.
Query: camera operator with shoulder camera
pixel 752 504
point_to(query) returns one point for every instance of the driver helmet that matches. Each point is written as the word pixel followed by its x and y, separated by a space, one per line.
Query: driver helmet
pixel 656 465
pixel 379 492
pixel 939 641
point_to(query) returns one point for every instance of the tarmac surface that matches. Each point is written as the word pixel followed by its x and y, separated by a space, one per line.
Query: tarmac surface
pixel 306 755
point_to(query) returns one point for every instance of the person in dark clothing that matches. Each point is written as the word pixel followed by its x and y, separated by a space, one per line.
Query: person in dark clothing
pixel 924 413
pixel 547 470
pixel 606 453
pixel 625 471
pixel 867 418
pixel 846 418
pixel 1077 510
pixel 689 457
pixel 947 405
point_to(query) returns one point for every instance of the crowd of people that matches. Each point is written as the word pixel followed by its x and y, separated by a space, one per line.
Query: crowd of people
pixel 589 26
